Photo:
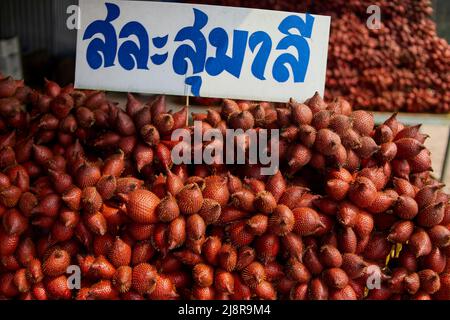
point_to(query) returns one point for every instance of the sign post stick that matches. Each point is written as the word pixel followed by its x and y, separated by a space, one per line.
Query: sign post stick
pixel 187 105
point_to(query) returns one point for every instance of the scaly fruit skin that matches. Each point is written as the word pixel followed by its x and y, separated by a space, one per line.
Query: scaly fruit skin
pixel 144 278
pixel 348 201
pixel 57 263
pixel 141 206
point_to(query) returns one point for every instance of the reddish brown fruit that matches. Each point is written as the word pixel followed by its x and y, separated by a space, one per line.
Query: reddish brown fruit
pixel 265 291
pixel 440 236
pixel 211 249
pixel 307 221
pixel 435 261
pixel 363 122
pixel 429 281
pixel 210 211
pixel 120 253
pixel 167 209
pixel 293 244
pixel 347 240
pixel 227 257
pixel 141 206
pixel 408 148
pixel 347 214
pixel 311 261
pixel 330 256
pixel 327 142
pixel 401 231
pixel 122 279
pixel 267 247
pixel 57 288
pixel 353 265
pixel 56 263
pixel 406 208
pixel 298 271
pixel 420 243
pixel 203 275
pixel 362 192
pixel 190 199
pixel 144 278
pixel 243 199
pixel 412 283
pixel 431 215
pixel 216 189
pixel 378 248
pixel 364 224
pixel 337 189
pixel 335 278
pixel 282 220
pixel 8 243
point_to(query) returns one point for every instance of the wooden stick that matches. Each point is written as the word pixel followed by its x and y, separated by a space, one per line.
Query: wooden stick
pixel 188 113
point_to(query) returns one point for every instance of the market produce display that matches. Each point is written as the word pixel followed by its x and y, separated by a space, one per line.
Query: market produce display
pixel 85 183
pixel 403 66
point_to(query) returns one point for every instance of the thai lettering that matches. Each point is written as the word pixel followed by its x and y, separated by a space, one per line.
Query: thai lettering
pixel 261 58
pixel 298 64
pixel 102 52
pixel 218 38
pixel 289 59
pixel 130 54
pixel 196 54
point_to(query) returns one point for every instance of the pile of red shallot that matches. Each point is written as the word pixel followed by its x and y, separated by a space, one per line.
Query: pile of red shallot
pixel 90 189
pixel 402 66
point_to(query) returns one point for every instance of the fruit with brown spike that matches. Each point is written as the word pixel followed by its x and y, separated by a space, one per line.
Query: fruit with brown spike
pixel 335 278
pixel 427 195
pixel 144 278
pixel 203 275
pixel 297 271
pixel 420 243
pixel 317 290
pixel 311 260
pixel 167 209
pixel 401 231
pixel 190 199
pixel 431 215
pixel 120 253
pixel 327 142
pixel 307 221
pixel 56 263
pixel 122 279
pixel 265 202
pixel 265 291
pixel 408 148
pixel 353 265
pixel 406 208
pixel 412 283
pixel 429 281
pixel 282 220
pixel 337 189
pixel 141 205
pixel 421 162
pixel 347 240
pixel 307 135
pixel 227 257
pixel 439 236
pixel 362 192
pixel 267 247
pixel 57 288
pixel 435 261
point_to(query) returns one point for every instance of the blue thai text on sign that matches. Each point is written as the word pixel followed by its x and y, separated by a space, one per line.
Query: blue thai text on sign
pixel 200 50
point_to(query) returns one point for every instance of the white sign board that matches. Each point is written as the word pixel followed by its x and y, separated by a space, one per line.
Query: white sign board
pixel 200 50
